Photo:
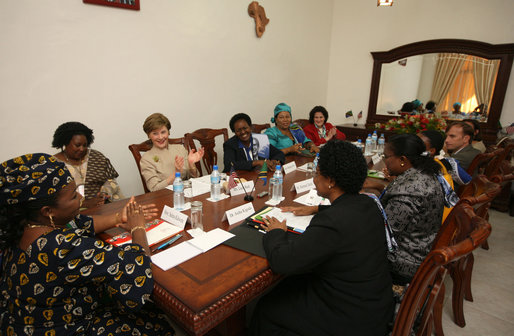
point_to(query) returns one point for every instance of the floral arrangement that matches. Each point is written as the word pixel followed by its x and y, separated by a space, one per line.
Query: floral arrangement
pixel 413 124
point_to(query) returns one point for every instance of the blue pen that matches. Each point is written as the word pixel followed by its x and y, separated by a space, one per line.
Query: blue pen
pixel 169 242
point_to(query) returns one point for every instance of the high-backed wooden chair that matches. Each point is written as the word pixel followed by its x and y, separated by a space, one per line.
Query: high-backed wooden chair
pixel 424 297
pixel 258 128
pixel 302 122
pixel 503 173
pixel 206 138
pixel 480 162
pixel 137 149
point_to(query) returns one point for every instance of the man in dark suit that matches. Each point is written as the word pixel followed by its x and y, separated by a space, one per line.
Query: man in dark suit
pixel 458 143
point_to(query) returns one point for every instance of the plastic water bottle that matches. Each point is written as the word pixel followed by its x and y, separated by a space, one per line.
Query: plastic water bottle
pixel 215 183
pixel 381 144
pixel 360 145
pixel 178 192
pixel 316 159
pixel 374 139
pixel 368 149
pixel 277 187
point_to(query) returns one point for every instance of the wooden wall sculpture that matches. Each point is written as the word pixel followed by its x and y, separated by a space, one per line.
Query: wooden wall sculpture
pixel 257 12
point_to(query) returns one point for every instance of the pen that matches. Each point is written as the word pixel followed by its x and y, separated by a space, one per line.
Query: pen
pixel 168 243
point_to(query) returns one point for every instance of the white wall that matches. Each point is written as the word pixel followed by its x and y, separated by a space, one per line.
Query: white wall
pixel 199 62
pixel 360 27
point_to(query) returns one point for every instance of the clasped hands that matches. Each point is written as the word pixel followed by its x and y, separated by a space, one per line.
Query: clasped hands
pixel 135 215
pixel 192 158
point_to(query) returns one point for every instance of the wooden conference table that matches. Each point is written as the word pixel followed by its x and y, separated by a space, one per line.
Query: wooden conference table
pixel 212 289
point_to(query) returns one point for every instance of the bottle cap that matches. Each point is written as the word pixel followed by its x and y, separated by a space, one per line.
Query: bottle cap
pixel 215 167
pixel 278 167
pixel 177 174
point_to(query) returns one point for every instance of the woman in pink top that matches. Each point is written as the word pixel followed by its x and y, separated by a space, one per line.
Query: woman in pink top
pixel 318 130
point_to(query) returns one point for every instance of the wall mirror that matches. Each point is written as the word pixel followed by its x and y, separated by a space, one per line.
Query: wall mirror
pixel 444 71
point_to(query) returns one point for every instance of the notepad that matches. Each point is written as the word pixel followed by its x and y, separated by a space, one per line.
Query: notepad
pixel 156 231
pixel 189 249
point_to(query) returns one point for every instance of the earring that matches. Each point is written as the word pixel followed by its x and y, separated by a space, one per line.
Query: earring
pixel 329 187
pixel 51 221
pixel 402 164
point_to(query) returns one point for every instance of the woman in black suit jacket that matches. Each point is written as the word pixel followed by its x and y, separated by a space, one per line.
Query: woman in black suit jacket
pixel 247 150
pixel 337 277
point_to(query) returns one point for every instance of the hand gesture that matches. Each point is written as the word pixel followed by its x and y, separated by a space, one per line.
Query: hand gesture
pixel 271 223
pixel 296 148
pixel 149 211
pixel 179 163
pixel 135 216
pixel 314 149
pixel 195 156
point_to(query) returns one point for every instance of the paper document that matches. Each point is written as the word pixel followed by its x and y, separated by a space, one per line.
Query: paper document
pixel 297 222
pixel 156 231
pixel 210 239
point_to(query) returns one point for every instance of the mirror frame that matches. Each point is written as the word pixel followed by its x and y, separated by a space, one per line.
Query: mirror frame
pixel 502 52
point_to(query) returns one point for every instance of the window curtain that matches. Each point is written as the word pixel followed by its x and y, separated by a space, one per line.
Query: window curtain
pixel 485 76
pixel 462 89
pixel 448 66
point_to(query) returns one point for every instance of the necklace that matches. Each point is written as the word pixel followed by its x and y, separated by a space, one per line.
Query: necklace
pixel 70 162
pixel 78 171
pixel 33 226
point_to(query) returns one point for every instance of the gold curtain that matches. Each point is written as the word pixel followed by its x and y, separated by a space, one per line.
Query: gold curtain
pixel 485 76
pixel 462 89
pixel 448 66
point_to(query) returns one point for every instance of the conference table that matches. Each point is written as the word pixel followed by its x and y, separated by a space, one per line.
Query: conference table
pixel 212 289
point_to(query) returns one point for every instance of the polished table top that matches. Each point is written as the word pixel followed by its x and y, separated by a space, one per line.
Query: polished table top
pixel 203 291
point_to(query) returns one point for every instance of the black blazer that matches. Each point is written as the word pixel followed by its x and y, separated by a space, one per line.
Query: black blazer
pixel 338 281
pixel 233 154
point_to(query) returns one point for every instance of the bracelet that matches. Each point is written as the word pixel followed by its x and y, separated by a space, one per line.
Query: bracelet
pixel 135 229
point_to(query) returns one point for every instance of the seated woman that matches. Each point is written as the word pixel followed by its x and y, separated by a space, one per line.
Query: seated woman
pixel 288 137
pixel 319 130
pixel 159 164
pixel 56 277
pixel 337 278
pixel 88 167
pixel 451 171
pixel 247 150
pixel 477 142
pixel 456 113
pixel 413 202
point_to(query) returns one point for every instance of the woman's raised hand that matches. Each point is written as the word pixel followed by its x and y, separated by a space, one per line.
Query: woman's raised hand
pixel 179 163
pixel 149 211
pixel 195 156
pixel 135 216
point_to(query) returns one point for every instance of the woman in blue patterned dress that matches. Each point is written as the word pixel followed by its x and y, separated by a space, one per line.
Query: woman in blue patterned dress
pixel 55 276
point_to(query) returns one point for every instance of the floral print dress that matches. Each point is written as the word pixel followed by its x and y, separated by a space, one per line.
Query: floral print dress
pixel 68 282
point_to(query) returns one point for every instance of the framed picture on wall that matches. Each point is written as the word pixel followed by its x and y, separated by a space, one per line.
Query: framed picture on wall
pixel 128 4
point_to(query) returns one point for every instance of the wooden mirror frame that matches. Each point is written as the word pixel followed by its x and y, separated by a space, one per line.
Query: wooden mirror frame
pixel 502 52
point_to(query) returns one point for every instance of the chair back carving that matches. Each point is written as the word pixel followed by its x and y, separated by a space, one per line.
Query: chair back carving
pixel 481 161
pixel 206 138
pixel 301 122
pixel 479 193
pixel 258 128
pixel 145 146
pixel 426 291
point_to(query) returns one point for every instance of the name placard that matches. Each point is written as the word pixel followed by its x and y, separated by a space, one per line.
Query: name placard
pixel 174 217
pixel 238 213
pixel 289 167
pixel 241 187
pixel 304 185
pixel 376 159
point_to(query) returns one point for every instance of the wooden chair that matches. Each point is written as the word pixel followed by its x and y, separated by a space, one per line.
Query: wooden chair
pixel 206 138
pixel 424 297
pixel 145 146
pixel 258 128
pixel 301 122
pixel 503 171
pixel 480 162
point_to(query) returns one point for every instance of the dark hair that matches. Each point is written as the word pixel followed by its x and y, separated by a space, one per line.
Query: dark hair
pixel 14 218
pixel 476 126
pixel 237 117
pixel 430 105
pixel 411 146
pixel 407 107
pixel 343 162
pixel 435 138
pixel 317 109
pixel 466 129
pixel 64 133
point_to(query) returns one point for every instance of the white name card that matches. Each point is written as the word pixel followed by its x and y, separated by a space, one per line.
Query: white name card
pixel 238 213
pixel 174 217
pixel 241 187
pixel 376 159
pixel 304 185
pixel 289 167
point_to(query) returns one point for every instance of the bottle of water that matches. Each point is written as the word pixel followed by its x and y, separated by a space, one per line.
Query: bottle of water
pixel 360 145
pixel 277 187
pixel 381 144
pixel 178 192
pixel 374 139
pixel 368 149
pixel 215 183
pixel 315 163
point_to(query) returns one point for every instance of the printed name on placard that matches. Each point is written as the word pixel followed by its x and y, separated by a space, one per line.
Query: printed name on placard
pixel 174 217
